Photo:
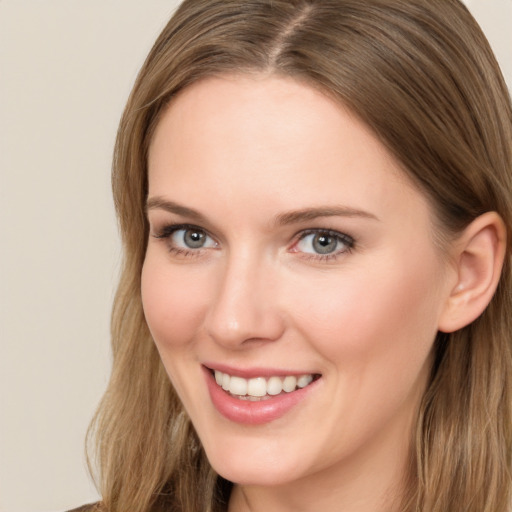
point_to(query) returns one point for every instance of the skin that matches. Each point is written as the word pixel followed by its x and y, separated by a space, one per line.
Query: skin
pixel 242 151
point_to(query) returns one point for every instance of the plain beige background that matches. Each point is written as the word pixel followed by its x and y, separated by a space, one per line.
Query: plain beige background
pixel 66 68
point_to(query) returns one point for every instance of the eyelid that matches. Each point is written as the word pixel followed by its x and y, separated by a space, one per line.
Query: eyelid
pixel 169 229
pixel 332 232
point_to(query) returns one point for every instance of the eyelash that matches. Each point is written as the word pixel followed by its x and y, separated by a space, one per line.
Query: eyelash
pixel 167 231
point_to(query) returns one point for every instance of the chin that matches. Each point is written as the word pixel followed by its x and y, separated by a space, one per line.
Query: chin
pixel 257 466
pixel 257 476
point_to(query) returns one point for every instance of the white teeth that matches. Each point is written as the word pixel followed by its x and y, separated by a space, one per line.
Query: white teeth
pixel 304 380
pixel 259 387
pixel 225 382
pixel 238 386
pixel 290 383
pixel 274 386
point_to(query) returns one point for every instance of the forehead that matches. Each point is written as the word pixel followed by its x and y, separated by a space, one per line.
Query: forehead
pixel 258 139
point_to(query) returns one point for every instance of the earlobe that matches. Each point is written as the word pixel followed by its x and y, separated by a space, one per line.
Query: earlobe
pixel 479 256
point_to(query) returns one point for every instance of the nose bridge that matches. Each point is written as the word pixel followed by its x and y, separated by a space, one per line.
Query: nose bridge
pixel 244 306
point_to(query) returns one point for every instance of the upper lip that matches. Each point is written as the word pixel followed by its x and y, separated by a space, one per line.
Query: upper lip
pixel 252 372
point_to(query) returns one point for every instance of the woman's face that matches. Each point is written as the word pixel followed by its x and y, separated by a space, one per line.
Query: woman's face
pixel 288 249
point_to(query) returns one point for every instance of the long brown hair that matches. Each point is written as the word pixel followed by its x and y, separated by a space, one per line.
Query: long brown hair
pixel 422 76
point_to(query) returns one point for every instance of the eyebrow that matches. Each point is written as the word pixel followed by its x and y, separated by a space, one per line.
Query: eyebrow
pixel 159 203
pixel 308 214
pixel 283 219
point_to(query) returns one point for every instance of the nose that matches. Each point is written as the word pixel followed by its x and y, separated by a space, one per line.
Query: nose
pixel 245 306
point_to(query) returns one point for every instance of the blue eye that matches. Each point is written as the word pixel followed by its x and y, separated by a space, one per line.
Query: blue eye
pixel 324 243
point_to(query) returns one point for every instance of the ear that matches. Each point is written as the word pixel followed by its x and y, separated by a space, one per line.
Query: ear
pixel 478 257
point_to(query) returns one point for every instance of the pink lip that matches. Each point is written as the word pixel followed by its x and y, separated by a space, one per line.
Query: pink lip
pixel 254 413
pixel 250 373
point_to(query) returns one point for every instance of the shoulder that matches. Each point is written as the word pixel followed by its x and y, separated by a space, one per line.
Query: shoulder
pixel 91 507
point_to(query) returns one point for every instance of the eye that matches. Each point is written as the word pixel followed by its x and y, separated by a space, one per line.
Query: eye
pixel 191 238
pixel 186 239
pixel 324 243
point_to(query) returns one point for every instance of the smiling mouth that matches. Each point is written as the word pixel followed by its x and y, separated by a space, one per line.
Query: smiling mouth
pixel 261 388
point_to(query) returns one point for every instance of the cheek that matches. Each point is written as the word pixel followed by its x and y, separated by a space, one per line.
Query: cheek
pixel 173 303
pixel 384 315
pixel 374 331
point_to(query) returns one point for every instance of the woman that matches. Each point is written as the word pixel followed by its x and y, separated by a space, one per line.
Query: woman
pixel 314 311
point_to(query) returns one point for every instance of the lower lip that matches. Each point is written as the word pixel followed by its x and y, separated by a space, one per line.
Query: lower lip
pixel 254 413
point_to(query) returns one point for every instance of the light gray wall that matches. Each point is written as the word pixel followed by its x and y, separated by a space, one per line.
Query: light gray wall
pixel 66 67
